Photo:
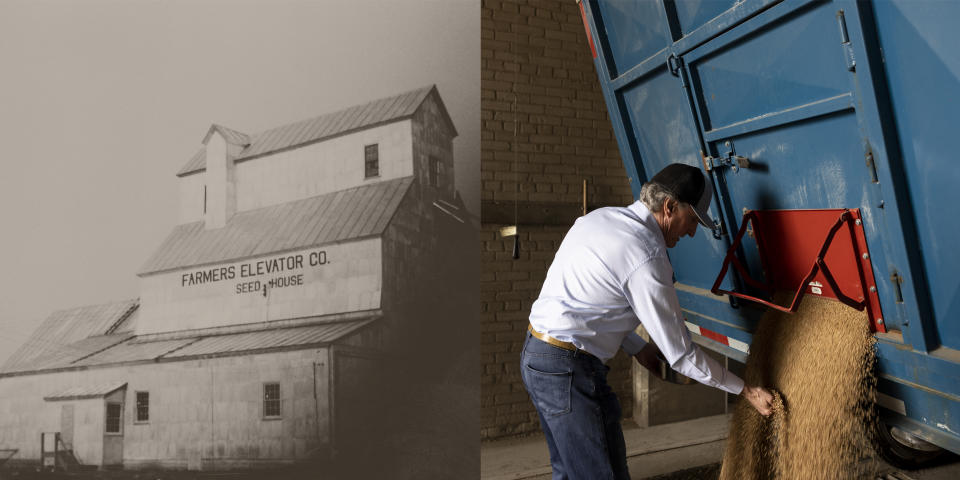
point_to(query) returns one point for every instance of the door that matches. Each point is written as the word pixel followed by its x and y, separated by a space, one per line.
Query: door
pixel 113 434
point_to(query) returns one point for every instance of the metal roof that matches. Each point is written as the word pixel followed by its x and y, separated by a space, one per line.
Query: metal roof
pixel 266 339
pixel 113 349
pixel 371 114
pixel 347 214
pixel 232 137
pixel 63 336
pixel 86 391
pixel 133 351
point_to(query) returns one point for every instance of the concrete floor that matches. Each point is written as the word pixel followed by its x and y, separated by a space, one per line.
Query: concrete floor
pixel 652 451
pixel 678 451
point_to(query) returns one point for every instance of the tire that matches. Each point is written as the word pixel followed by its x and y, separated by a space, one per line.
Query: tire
pixel 900 454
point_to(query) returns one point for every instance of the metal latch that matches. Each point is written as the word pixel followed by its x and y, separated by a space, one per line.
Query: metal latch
pixel 736 162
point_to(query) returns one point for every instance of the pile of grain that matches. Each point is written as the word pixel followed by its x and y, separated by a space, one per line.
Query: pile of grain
pixel 819 362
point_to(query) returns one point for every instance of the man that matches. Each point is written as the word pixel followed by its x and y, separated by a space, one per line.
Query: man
pixel 610 274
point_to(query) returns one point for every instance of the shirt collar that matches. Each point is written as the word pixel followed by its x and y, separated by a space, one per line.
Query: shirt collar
pixel 648 220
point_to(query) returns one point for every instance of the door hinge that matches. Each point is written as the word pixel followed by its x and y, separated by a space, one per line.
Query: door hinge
pixel 845 42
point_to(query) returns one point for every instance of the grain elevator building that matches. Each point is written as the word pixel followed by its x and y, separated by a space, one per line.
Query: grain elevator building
pixel 302 254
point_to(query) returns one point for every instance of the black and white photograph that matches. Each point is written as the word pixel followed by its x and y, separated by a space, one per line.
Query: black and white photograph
pixel 239 239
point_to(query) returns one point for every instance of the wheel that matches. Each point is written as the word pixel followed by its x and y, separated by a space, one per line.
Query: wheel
pixel 903 450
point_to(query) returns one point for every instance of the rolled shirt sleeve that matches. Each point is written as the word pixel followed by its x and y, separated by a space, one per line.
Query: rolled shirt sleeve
pixel 649 290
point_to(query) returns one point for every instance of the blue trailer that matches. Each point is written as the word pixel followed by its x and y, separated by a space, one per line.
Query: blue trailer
pixel 806 105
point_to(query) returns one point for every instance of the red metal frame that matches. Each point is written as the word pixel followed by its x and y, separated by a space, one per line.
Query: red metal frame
pixel 796 247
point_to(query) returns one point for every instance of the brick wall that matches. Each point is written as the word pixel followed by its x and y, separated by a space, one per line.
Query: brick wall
pixel 536 69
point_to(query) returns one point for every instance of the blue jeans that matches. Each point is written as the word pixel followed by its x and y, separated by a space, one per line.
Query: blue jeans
pixel 579 413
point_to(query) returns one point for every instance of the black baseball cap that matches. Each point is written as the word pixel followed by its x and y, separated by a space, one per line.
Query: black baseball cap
pixel 688 185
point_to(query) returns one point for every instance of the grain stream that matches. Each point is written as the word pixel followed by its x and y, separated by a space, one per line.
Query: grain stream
pixel 819 363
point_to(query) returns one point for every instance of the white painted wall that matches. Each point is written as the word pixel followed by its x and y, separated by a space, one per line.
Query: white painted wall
pixel 350 280
pixel 316 169
pixel 191 197
pixel 203 413
pixel 221 192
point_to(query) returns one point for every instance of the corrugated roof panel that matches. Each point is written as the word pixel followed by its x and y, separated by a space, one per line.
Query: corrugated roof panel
pixel 312 235
pixel 281 227
pixel 232 136
pixel 336 215
pixel 301 236
pixel 311 130
pixel 86 391
pixel 363 224
pixel 58 335
pixel 367 114
pixel 352 120
pixel 289 337
pixel 351 214
pixel 132 351
pixel 287 224
pixel 372 206
pixel 64 355
pixel 300 132
pixel 197 162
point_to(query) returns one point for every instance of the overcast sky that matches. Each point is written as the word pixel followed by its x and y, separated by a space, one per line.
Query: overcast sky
pixel 102 102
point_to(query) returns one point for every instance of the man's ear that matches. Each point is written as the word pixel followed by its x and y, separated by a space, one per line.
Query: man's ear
pixel 669 206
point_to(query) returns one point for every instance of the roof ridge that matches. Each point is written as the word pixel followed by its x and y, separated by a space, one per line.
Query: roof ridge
pixel 281 137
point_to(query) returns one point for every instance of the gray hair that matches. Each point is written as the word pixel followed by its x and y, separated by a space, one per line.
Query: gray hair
pixel 653 195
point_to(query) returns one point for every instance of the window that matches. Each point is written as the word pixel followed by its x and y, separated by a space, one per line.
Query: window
pixel 143 407
pixel 114 417
pixel 271 400
pixel 371 160
pixel 434 168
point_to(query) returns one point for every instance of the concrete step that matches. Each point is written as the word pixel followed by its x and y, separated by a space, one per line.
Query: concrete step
pixel 650 451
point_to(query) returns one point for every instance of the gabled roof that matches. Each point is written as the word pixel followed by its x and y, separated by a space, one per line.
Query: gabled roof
pixel 377 112
pixel 68 335
pixel 232 137
pixel 344 215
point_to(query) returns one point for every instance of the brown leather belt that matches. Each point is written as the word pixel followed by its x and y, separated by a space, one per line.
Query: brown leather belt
pixel 551 340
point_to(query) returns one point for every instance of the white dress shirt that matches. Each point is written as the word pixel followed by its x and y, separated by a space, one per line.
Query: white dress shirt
pixel 611 274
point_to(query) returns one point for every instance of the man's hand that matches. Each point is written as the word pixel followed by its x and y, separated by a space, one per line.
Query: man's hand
pixel 648 356
pixel 760 398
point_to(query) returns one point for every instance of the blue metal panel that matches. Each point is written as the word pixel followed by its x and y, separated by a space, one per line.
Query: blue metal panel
pixel 762 73
pixel 693 14
pixel 635 31
pixel 929 415
pixel 799 87
pixel 919 41
pixel 938 375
